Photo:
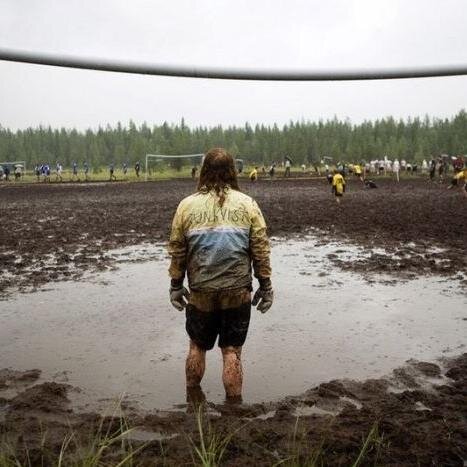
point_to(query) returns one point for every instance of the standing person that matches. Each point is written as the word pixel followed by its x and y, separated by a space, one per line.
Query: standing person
pixel 396 168
pixel 338 185
pixel 272 170
pixel 287 165
pixel 18 172
pixel 6 173
pixel 125 169
pixel 432 169
pixel 440 169
pixel 193 172
pixel 218 235
pixel 86 170
pixel 74 171
pixel 424 166
pixel 37 171
pixel 111 172
pixel 137 168
pixel 357 168
pixel 58 171
pixel 254 174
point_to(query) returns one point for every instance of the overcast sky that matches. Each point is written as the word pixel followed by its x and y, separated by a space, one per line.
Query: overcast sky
pixel 233 33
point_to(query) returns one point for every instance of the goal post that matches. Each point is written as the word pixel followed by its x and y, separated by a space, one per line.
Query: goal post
pixel 12 166
pixel 167 157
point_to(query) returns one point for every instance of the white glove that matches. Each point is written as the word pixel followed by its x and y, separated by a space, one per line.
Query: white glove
pixel 177 297
pixel 266 296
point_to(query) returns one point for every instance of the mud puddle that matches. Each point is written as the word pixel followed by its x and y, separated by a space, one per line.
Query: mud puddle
pixel 115 333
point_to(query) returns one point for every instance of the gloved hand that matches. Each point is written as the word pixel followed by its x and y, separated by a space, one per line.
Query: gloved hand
pixel 177 297
pixel 266 295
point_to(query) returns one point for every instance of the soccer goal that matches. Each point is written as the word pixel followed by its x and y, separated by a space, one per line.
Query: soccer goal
pixel 170 159
pixel 12 165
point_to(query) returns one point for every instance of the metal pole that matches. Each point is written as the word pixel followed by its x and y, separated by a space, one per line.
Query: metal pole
pixel 121 66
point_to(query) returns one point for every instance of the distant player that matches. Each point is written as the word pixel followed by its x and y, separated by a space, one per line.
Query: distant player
pixel 125 169
pixel 424 166
pixel 272 170
pixel 137 168
pixel 432 169
pixel 370 184
pixel 74 171
pixel 111 172
pixel 86 170
pixel 440 165
pixel 6 173
pixel 460 180
pixel 338 185
pixel 193 172
pixel 287 164
pixel 254 174
pixel 357 168
pixel 37 171
pixel 18 172
pixel 382 167
pixel 46 173
pixel 58 171
pixel 396 169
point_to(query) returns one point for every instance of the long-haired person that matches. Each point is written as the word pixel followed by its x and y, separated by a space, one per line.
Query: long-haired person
pixel 218 237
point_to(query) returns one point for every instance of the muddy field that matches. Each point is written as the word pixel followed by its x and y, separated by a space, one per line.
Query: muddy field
pixel 414 417
pixel 377 281
pixel 55 232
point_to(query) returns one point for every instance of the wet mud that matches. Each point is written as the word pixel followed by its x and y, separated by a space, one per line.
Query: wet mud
pixel 417 416
pixel 57 232
pixel 68 349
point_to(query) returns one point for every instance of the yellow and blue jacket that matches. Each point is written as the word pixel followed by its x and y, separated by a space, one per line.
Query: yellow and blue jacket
pixel 217 246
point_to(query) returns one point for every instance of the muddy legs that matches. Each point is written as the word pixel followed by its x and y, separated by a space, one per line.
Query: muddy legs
pixel 232 374
pixel 195 365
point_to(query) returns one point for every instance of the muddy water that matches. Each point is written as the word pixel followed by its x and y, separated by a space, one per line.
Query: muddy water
pixel 115 333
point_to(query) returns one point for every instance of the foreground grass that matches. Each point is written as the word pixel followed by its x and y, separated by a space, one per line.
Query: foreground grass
pixel 112 446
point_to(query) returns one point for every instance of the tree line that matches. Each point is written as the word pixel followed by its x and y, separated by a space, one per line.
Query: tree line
pixel 306 142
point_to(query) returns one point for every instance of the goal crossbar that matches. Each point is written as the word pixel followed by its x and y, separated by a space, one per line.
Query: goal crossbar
pixel 13 163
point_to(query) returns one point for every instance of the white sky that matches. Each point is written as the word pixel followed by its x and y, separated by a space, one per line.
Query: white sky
pixel 232 33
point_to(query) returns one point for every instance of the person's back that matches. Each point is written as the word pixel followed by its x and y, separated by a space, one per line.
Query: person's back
pixel 218 235
pixel 338 185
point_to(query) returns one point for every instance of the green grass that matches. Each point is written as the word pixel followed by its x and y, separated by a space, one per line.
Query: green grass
pixel 111 446
pixel 210 449
pixel 74 453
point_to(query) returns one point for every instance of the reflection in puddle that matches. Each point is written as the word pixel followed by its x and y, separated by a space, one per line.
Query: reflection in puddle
pixel 116 333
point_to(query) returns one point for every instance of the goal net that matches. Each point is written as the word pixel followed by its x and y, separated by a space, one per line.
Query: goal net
pixel 159 162
pixel 12 167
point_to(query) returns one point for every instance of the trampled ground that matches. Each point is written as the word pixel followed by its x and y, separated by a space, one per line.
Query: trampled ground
pixel 58 231
pixel 336 314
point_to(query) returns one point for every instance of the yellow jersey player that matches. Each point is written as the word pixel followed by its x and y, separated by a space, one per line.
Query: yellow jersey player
pixel 460 179
pixel 254 174
pixel 338 186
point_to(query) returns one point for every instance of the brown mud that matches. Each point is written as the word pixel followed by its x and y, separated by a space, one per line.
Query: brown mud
pixel 58 231
pixel 420 412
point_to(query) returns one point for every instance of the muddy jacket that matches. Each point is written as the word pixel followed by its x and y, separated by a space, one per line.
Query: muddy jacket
pixel 216 245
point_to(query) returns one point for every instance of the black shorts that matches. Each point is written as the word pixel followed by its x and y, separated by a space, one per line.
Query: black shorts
pixel 230 325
